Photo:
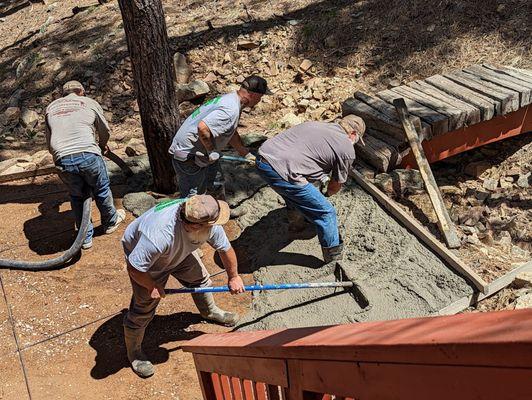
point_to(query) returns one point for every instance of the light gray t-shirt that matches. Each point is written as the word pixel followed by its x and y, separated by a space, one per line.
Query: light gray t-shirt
pixel 157 242
pixel 220 114
pixel 309 151
pixel 71 124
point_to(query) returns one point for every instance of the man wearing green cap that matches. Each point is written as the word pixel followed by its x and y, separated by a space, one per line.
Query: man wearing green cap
pixel 208 130
pixel 162 242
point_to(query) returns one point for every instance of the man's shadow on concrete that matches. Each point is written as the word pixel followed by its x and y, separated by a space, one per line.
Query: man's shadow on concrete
pixel 260 244
pixel 108 341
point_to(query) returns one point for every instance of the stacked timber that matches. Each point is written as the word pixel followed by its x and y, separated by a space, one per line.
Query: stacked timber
pixel 438 105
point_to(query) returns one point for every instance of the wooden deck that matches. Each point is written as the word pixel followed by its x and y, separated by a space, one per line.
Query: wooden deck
pixel 453 113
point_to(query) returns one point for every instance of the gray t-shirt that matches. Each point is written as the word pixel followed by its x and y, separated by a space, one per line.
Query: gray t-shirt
pixel 157 242
pixel 71 124
pixel 220 114
pixel 309 151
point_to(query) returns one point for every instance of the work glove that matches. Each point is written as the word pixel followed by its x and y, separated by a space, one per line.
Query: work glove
pixel 251 158
pixel 324 184
pixel 202 160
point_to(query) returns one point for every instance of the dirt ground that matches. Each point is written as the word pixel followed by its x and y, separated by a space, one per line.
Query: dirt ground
pixel 69 322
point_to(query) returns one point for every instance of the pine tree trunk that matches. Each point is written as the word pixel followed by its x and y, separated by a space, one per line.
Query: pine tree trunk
pixel 154 78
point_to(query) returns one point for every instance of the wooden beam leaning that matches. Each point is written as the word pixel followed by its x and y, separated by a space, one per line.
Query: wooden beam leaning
pixel 444 221
pixel 511 72
pixel 502 80
pixel 509 99
pixel 455 115
pixel 373 118
pixel 439 123
pixel 488 106
pixel 421 232
pixel 389 110
pixel 472 113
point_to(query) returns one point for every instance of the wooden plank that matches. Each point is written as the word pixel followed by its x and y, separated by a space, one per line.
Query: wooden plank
pixel 206 384
pixel 523 71
pixel 389 110
pixel 511 72
pixel 377 153
pixel 217 385
pixel 501 80
pixel 295 391
pixel 444 221
pixel 421 233
pixel 472 113
pixel 260 391
pixel 256 369
pixel 509 99
pixel 456 116
pixel 249 391
pixel 439 123
pixel 373 118
pixel 493 287
pixel 226 387
pixel 236 388
pixel 415 382
pixel 487 106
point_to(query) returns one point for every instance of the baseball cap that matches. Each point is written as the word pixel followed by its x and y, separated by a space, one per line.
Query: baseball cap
pixel 256 84
pixel 205 209
pixel 354 123
pixel 70 86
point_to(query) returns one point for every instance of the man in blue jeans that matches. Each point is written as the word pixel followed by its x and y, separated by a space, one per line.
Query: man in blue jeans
pixel 71 124
pixel 312 152
pixel 208 130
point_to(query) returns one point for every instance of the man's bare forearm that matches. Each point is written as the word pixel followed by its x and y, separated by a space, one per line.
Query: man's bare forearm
pixel 205 136
pixel 229 262
pixel 236 143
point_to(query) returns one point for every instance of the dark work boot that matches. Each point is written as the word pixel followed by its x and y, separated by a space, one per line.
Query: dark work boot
pixel 334 253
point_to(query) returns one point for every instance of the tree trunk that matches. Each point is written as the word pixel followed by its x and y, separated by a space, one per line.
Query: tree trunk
pixel 154 77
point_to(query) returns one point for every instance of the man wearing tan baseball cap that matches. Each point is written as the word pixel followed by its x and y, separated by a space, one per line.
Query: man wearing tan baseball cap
pixel 308 153
pixel 163 242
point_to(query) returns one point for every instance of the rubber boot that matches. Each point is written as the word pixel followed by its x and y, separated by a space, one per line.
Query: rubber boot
pixel 210 311
pixel 139 362
pixel 335 253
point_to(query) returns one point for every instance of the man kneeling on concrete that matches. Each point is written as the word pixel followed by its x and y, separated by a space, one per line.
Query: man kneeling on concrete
pixel 71 123
pixel 305 154
pixel 162 242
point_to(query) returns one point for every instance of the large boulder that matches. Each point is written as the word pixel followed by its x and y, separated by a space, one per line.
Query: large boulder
pixel 192 91
pixel 138 203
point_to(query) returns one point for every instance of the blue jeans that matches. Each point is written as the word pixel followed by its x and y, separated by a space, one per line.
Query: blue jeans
pixel 308 200
pixel 194 180
pixel 85 174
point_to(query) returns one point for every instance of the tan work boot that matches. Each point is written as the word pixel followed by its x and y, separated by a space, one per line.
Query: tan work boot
pixel 210 311
pixel 139 362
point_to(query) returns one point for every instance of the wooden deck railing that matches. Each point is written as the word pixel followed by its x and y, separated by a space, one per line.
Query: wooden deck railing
pixel 468 356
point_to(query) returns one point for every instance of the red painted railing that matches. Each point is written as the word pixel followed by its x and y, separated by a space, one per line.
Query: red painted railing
pixel 468 356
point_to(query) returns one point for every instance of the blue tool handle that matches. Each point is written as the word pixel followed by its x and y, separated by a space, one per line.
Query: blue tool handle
pixel 282 286
pixel 234 158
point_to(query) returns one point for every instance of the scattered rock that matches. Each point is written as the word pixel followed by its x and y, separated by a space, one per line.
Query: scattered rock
pixel 246 45
pixel 473 239
pixel 394 83
pixel 407 181
pixel 227 58
pixel 490 184
pixel 7 164
pixel 29 118
pixel 182 70
pixel 305 65
pixel 253 139
pixel 524 301
pixel 330 41
pixel 12 114
pixel 135 147
pixel 290 120
pixel 42 158
pixel 138 203
pixel 523 280
pixel 477 168
pixel 211 77
pixel 384 182
pixel 192 90
pixel 449 189
pixel 524 180
pixel 515 171
pixel 119 136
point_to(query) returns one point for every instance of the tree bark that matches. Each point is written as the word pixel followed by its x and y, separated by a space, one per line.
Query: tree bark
pixel 154 78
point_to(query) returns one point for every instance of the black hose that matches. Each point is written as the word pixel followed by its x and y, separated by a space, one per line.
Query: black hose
pixel 57 262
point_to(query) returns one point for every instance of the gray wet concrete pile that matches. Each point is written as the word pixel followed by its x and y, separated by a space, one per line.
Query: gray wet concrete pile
pixel 401 277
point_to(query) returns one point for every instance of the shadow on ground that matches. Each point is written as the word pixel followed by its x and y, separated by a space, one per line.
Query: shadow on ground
pixel 108 341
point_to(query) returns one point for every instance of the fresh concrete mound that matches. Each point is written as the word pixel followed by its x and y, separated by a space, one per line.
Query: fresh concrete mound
pixel 401 277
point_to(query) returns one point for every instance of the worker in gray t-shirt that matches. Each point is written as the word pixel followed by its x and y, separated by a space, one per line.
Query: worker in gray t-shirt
pixel 305 154
pixel 162 242
pixel 208 130
pixel 72 122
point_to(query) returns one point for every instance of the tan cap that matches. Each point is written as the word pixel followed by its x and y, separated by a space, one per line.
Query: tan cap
pixel 70 86
pixel 354 123
pixel 205 209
